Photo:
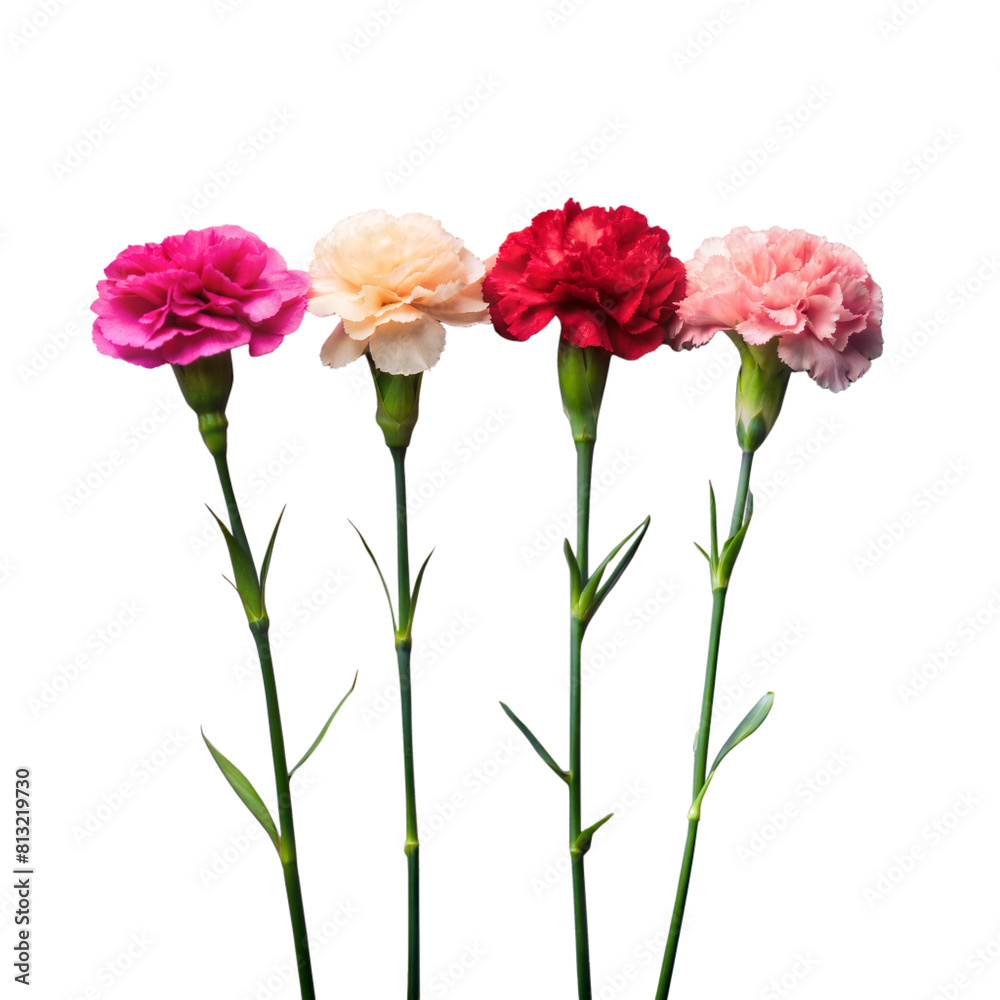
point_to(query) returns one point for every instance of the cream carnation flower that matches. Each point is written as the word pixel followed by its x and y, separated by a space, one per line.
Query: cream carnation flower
pixel 393 282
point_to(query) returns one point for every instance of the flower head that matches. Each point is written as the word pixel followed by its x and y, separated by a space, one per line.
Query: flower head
pixel 814 299
pixel 197 295
pixel 393 282
pixel 605 274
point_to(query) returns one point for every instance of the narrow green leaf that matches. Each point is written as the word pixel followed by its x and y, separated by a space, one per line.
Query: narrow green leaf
pixel 731 550
pixel 575 582
pixel 582 843
pixel 416 589
pixel 322 732
pixel 247 793
pixel 589 603
pixel 713 514
pixel 708 558
pixel 385 586
pixel 266 564
pixel 538 748
pixel 247 585
pixel 752 721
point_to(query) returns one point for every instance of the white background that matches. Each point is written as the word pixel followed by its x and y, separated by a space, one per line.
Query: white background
pixel 872 127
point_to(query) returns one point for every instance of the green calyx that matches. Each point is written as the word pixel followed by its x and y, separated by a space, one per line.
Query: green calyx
pixel 205 385
pixel 583 372
pixel 760 390
pixel 397 404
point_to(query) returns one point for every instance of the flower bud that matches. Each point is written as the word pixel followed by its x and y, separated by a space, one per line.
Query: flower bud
pixel 205 384
pixel 760 390
pixel 397 404
pixel 583 372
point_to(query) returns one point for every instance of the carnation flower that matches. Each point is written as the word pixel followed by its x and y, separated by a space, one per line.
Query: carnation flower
pixel 814 299
pixel 605 274
pixel 393 282
pixel 197 295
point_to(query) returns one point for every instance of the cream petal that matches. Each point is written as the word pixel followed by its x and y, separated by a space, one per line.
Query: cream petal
pixel 464 309
pixel 341 349
pixel 407 348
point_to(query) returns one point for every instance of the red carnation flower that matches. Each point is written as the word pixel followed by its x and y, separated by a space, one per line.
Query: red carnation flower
pixel 606 274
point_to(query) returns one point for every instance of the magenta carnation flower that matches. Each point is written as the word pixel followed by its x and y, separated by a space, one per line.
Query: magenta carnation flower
pixel 196 295
pixel 814 298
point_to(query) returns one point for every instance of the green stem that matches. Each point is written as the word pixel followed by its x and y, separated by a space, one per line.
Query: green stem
pixel 289 860
pixel 584 472
pixel 701 743
pixel 403 648
pixel 742 491
pixel 235 521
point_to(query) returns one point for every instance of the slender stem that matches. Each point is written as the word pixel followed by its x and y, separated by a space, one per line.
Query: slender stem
pixel 286 825
pixel 403 648
pixel 289 859
pixel 402 545
pixel 235 521
pixel 739 508
pixel 708 696
pixel 701 743
pixel 584 472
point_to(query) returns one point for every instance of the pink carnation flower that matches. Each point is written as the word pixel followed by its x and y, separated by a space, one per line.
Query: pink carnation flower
pixel 195 295
pixel 815 298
